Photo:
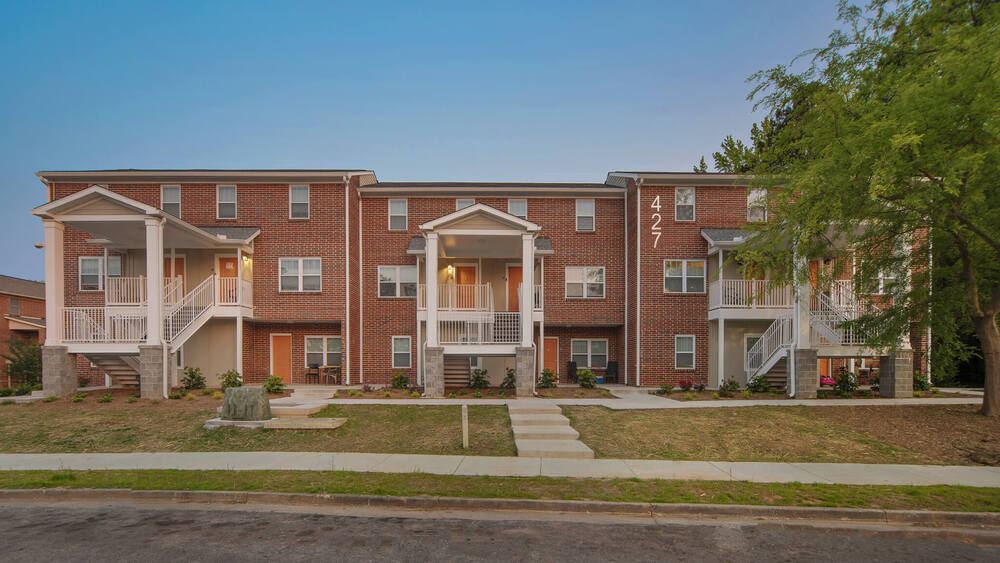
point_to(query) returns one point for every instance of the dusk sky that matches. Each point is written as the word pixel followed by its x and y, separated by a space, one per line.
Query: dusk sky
pixel 465 91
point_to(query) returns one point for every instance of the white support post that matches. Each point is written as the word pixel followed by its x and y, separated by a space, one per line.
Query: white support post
pixel 431 286
pixel 154 280
pixel 527 287
pixel 55 281
pixel 802 300
pixel 721 345
pixel 541 349
pixel 239 341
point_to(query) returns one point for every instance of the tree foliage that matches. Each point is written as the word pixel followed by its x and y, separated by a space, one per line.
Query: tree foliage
pixel 24 361
pixel 889 144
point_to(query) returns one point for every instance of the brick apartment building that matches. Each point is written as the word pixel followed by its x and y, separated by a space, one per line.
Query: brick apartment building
pixel 22 315
pixel 311 273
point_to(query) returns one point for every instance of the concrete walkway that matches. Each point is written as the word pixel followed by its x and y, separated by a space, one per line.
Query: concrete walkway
pixel 839 473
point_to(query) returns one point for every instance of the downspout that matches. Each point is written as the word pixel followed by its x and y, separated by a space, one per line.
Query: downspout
pixel 625 230
pixel 361 293
pixel 930 295
pixel 792 356
pixel 347 279
pixel 638 282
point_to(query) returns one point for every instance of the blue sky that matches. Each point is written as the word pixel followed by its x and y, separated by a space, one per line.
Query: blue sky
pixel 557 91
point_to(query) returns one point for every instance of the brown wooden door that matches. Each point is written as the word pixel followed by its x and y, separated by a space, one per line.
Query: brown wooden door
pixel 513 283
pixel 465 276
pixel 281 356
pixel 824 367
pixel 552 355
pixel 228 270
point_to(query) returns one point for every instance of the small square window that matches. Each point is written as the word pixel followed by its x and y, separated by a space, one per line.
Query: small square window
pixel 585 281
pixel 518 208
pixel 589 353
pixel 397 281
pixel 298 202
pixel 226 202
pixel 684 276
pixel 300 274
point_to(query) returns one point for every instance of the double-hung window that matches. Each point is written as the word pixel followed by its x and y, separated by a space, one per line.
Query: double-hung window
pixel 585 215
pixel 322 351
pixel 298 202
pixel 518 208
pixel 683 204
pixel 401 352
pixel 170 200
pixel 463 203
pixel 91 273
pixel 589 353
pixel 757 205
pixel 397 281
pixel 684 351
pixel 14 306
pixel 683 276
pixel 225 202
pixel 397 214
pixel 585 282
pixel 300 274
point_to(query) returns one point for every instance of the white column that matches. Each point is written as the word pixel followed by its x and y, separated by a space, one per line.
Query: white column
pixel 55 294
pixel 541 350
pixel 239 340
pixel 721 345
pixel 154 280
pixel 431 288
pixel 527 287
pixel 802 295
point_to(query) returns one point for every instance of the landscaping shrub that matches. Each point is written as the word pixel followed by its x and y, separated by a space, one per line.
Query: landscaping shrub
pixel 24 361
pixel 728 388
pixel 509 380
pixel 105 398
pixel 665 389
pixel 206 391
pixel 193 379
pixel 6 391
pixel 25 388
pixel 415 394
pixel 231 378
pixel 745 394
pixel 82 381
pixel 78 397
pixel 685 384
pixel 758 384
pixel 715 395
pixel 217 395
pixel 399 380
pixel 699 387
pixel 131 400
pixel 845 383
pixel 51 399
pixel 586 378
pixel 479 379
pixel 547 380
pixel 920 383
pixel 477 395
pixel 274 384
pixel 174 395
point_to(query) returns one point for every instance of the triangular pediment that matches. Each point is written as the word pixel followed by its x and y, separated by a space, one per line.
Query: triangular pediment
pixel 480 217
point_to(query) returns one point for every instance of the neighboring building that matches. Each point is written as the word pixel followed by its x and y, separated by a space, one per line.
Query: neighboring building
pixel 22 315
pixel 286 271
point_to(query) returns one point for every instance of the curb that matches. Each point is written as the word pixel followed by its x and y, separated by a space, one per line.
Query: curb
pixel 982 520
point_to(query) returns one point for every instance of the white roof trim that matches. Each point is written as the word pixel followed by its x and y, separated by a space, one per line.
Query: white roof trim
pixel 24 321
pixel 724 243
pixel 480 208
pixel 53 207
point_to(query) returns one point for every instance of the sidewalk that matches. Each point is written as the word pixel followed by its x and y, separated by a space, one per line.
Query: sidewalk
pixel 759 472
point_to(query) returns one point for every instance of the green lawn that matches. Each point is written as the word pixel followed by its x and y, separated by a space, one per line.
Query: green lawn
pixel 966 499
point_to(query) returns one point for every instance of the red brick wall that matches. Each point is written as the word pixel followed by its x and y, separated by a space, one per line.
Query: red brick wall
pixel 631 318
pixel 565 334
pixel 29 308
pixel 257 347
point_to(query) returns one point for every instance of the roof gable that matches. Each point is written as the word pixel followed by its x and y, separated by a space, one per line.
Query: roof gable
pixel 479 217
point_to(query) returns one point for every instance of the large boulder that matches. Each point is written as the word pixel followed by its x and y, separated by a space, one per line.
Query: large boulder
pixel 246 403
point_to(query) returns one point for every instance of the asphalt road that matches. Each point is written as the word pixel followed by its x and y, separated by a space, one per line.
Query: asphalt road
pixel 148 533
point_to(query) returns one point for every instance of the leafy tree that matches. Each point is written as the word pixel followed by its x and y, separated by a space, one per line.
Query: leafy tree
pixel 701 167
pixel 889 144
pixel 24 361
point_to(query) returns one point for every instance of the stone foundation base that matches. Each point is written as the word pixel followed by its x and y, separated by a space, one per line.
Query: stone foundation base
pixel 434 372
pixel 151 372
pixel 806 373
pixel 525 371
pixel 895 375
pixel 59 377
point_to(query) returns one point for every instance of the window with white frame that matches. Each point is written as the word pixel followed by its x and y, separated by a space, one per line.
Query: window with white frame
pixel 397 214
pixel 322 351
pixel 91 273
pixel 684 276
pixel 300 274
pixel 397 281
pixel 170 200
pixel 684 204
pixel 585 215
pixel 401 351
pixel 757 205
pixel 463 203
pixel 684 351
pixel 585 282
pixel 298 202
pixel 589 353
pixel 518 208
pixel 14 306
pixel 225 198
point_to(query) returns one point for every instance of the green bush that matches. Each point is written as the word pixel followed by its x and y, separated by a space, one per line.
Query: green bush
pixel 665 389
pixel 6 391
pixel 206 391
pixel 231 378
pixel 745 394
pixel 477 395
pixel 758 384
pixel 399 380
pixel 105 398
pixel 174 395
pixel 25 388
pixel 274 384
pixel 920 383
pixel 217 395
pixel 479 379
pixel 729 388
pixel 79 397
pixel 547 380
pixel 586 378
pixel 509 380
pixel 193 379
pixel 415 394
pixel 24 361
pixel 845 383
pixel 132 400
pixel 51 399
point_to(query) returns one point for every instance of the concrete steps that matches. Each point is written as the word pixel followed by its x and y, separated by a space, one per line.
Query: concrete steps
pixel 540 430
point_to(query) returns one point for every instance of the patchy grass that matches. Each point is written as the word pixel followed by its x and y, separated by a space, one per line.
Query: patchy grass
pixel 965 499
pixel 173 426
pixel 938 434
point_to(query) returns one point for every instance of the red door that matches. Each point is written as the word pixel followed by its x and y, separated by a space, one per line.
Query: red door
pixel 281 356
pixel 552 355
pixel 513 285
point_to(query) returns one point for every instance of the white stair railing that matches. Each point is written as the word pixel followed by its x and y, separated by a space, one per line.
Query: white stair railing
pixel 830 321
pixel 775 340
pixel 173 291
pixel 187 310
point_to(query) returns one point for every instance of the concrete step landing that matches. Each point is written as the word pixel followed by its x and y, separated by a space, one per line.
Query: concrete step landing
pixel 540 430
pixel 571 449
pixel 545 433
pixel 538 420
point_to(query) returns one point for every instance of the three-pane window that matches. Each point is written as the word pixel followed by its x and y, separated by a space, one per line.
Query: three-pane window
pixel 397 214
pixel 684 204
pixel 298 202
pixel 585 281
pixel 684 276
pixel 397 281
pixel 585 215
pixel 400 351
pixel 170 200
pixel 684 351
pixel 589 353
pixel 225 202
pixel 322 351
pixel 300 274
pixel 518 208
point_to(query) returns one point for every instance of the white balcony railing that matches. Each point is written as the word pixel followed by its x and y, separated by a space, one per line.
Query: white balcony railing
pixel 481 328
pixel 104 324
pixel 459 297
pixel 539 299
pixel 173 290
pixel 748 294
pixel 125 290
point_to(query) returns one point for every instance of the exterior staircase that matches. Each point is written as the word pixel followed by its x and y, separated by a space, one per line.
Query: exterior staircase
pixel 456 371
pixel 769 356
pixel 541 430
pixel 123 370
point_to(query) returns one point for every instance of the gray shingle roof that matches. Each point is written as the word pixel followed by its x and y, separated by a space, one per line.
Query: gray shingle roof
pixel 232 233
pixel 724 235
pixel 17 286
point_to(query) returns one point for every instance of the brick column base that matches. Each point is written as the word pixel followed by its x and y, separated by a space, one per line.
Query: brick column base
pixel 151 372
pixel 524 365
pixel 434 372
pixel 59 376
pixel 895 375
pixel 806 373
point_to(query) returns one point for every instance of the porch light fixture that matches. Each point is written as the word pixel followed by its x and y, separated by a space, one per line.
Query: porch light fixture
pixel 451 269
